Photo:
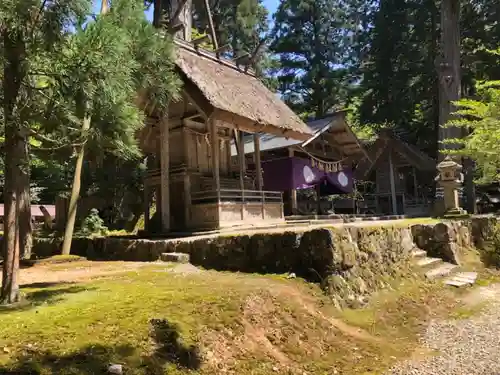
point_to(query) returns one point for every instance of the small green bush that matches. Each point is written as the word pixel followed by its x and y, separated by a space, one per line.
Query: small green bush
pixel 93 225
pixel 490 253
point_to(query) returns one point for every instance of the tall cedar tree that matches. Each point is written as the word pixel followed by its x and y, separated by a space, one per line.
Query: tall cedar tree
pixel 312 41
pixel 242 25
pixel 239 24
pixel 399 76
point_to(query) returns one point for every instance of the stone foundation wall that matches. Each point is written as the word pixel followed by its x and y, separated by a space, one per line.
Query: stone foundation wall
pixel 350 262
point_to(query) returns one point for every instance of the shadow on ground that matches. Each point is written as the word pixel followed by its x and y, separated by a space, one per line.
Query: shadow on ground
pixel 95 359
pixel 170 347
pixel 45 294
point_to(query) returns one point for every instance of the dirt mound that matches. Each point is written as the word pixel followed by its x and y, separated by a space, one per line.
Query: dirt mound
pixel 284 330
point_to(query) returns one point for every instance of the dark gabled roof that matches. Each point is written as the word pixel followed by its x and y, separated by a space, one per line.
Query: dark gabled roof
pixel 386 139
pixel 334 123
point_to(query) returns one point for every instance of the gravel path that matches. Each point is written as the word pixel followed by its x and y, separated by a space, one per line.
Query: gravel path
pixel 464 347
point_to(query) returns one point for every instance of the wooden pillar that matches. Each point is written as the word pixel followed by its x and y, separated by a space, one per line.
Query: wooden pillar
pixel 393 185
pixel 293 192
pixel 165 175
pixel 241 159
pixel 241 163
pixel 187 177
pixel 415 183
pixel 228 157
pixel 258 164
pixel 147 202
pixel 148 189
pixel 214 144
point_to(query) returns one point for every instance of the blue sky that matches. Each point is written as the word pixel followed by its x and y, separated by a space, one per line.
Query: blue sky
pixel 271 5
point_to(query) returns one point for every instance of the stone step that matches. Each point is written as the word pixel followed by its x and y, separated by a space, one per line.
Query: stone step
pixel 462 279
pixel 428 262
pixel 175 257
pixel 418 253
pixel 456 283
pixel 441 270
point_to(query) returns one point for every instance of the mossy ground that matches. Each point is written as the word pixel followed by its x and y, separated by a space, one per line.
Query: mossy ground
pixel 154 320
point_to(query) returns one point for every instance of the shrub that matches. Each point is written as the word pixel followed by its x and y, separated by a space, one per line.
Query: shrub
pixel 93 225
pixel 491 249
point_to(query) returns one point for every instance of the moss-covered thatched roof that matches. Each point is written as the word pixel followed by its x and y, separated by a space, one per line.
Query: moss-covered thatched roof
pixel 234 94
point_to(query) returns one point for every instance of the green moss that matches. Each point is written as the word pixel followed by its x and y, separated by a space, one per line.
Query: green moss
pixel 466 312
pixel 61 259
pixel 216 318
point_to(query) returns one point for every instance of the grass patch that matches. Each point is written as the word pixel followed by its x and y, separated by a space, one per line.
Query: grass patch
pixel 401 223
pixel 154 321
pixel 401 315
pixel 58 259
pixel 467 311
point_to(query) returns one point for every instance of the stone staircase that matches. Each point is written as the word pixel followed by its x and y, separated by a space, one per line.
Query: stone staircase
pixel 436 268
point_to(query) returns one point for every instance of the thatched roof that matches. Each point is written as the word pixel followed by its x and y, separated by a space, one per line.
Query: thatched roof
pixel 386 142
pixel 234 95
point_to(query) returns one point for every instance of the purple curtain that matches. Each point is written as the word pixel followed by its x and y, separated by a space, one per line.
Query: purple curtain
pixel 297 173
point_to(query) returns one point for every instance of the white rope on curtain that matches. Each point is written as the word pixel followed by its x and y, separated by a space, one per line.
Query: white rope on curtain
pixel 328 166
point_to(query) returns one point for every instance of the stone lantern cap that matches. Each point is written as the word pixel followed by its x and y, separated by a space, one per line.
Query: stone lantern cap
pixel 448 164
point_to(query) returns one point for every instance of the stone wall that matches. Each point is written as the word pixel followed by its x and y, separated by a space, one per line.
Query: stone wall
pixel 349 262
pixel 443 240
pixel 449 240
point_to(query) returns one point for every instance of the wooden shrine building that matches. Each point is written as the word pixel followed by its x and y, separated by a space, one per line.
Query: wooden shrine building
pixel 398 179
pixel 323 162
pixel 189 151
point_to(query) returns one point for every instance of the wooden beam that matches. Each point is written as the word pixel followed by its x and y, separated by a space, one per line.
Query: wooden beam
pixel 227 141
pixel 293 192
pixel 415 182
pixel 234 121
pixel 243 59
pixel 241 157
pixel 258 164
pixel 201 128
pixel 211 25
pixel 195 96
pixel 190 115
pixel 174 28
pixel 187 177
pixel 223 49
pixel 146 208
pixel 165 175
pixel 393 185
pixel 215 155
pixel 178 11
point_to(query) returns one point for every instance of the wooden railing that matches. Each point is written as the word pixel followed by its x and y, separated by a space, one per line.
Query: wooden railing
pixel 178 168
pixel 409 201
pixel 234 195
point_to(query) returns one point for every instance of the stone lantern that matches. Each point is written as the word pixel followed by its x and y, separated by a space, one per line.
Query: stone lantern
pixel 450 179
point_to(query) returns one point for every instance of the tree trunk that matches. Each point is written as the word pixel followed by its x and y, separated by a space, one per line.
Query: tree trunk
pixel 13 152
pixel 15 143
pixel 449 70
pixel 75 191
pixel 450 89
pixel 157 10
pixel 24 208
